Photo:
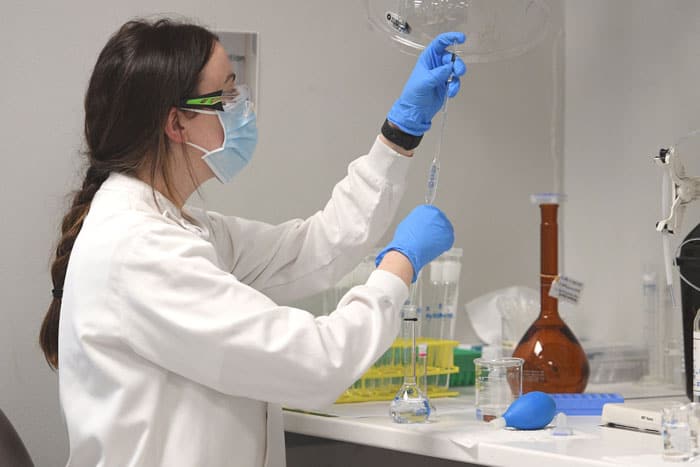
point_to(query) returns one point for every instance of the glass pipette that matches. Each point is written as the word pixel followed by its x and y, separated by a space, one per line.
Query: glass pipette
pixel 434 172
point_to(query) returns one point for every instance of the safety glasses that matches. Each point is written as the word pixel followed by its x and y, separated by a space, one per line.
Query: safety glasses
pixel 218 100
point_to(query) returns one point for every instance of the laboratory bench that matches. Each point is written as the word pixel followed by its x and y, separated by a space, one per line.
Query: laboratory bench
pixel 364 434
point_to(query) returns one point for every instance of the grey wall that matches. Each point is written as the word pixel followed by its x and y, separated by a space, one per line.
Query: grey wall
pixel 632 75
pixel 326 83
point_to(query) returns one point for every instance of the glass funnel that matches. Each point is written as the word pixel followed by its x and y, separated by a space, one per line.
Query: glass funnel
pixel 554 360
pixel 495 29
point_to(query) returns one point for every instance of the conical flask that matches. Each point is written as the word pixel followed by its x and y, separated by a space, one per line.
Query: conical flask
pixel 554 361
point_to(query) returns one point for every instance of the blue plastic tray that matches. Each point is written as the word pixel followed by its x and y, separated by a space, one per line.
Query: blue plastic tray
pixel 586 403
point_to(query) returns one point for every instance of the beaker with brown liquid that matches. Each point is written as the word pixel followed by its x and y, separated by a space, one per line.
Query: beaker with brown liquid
pixel 554 360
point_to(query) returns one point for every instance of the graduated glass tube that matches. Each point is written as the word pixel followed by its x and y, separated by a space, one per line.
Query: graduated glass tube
pixel 411 404
pixel 435 294
pixel 434 172
pixel 442 294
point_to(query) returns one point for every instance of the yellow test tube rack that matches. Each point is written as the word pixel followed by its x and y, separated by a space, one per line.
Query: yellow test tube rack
pixel 384 378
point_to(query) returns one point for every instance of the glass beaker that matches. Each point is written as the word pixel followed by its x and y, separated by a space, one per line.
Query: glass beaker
pixel 554 359
pixel 679 432
pixel 498 383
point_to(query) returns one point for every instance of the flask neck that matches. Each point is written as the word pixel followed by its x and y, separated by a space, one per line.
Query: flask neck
pixel 549 260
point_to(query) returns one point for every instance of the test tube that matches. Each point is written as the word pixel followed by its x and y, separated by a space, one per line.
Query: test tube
pixel 426 327
pixel 674 372
pixel 442 315
pixel 651 335
pixel 422 363
pixel 451 269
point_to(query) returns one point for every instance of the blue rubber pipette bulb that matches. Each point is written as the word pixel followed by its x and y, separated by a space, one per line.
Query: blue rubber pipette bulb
pixel 531 411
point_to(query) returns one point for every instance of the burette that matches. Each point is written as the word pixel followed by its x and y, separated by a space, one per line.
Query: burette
pixel 434 172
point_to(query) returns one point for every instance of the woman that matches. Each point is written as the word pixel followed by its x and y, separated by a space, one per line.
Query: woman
pixel 165 327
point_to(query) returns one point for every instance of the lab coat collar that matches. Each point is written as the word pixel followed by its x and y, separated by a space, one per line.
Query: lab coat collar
pixel 144 192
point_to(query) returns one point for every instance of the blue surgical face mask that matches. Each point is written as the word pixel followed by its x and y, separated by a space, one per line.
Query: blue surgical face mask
pixel 240 139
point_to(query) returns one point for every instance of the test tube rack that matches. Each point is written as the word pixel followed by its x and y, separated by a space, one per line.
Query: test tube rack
pixel 384 378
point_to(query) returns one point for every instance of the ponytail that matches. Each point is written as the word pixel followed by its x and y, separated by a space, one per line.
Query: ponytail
pixel 70 228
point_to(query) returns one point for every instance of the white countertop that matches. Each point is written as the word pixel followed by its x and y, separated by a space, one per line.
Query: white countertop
pixel 457 435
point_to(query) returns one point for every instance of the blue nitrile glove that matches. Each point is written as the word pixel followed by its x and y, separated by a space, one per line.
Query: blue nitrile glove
pixel 421 237
pixel 424 92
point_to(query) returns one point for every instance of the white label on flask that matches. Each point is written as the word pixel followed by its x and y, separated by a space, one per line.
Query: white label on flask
pixel 566 289
pixel 696 363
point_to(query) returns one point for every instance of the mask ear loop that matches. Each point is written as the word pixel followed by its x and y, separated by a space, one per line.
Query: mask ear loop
pixel 683 278
pixel 204 112
pixel 196 146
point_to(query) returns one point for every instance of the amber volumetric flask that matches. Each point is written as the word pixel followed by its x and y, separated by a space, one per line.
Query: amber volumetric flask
pixel 554 360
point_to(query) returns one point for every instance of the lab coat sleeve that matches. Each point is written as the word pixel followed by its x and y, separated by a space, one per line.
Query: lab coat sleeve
pixel 182 312
pixel 302 257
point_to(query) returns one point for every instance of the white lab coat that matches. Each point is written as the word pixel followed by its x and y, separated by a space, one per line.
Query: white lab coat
pixel 173 350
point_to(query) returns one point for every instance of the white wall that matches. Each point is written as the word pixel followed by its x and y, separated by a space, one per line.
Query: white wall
pixel 326 83
pixel 632 87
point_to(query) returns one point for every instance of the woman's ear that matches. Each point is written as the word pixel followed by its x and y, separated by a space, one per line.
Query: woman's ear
pixel 173 130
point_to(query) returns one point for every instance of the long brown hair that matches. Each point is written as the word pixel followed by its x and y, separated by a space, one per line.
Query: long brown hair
pixel 144 70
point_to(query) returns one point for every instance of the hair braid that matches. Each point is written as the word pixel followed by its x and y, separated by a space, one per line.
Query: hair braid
pixel 70 228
